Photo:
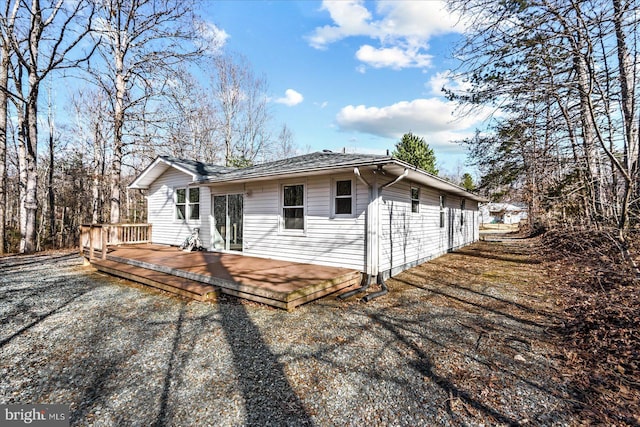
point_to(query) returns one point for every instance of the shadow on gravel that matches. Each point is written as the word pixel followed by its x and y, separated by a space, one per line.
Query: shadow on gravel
pixel 486 255
pixel 473 304
pixel 425 367
pixel 268 395
pixel 13 261
pixel 173 361
pixel 39 319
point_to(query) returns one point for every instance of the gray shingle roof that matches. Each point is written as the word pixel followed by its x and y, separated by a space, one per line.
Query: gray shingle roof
pixel 198 168
pixel 304 163
pixel 309 163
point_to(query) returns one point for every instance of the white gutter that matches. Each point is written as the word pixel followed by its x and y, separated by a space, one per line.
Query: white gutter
pixel 397 180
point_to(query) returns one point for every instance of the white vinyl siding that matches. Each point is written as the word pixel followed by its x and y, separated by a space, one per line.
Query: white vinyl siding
pixel 167 228
pixel 409 238
pixel 329 241
pixel 406 237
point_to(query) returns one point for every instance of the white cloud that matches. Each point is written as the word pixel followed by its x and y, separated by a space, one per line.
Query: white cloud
pixel 213 38
pixel 401 28
pixel 351 19
pixel 393 57
pixel 431 118
pixel 447 80
pixel 291 98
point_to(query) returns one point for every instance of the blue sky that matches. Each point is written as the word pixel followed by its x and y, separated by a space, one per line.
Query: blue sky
pixel 352 74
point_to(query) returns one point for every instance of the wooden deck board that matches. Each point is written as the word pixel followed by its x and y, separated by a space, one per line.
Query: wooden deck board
pixel 167 282
pixel 279 283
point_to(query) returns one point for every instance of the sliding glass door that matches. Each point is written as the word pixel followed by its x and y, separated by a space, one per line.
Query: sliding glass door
pixel 227 215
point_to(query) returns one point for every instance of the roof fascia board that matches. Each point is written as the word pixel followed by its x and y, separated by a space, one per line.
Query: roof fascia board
pixel 141 178
pixel 139 182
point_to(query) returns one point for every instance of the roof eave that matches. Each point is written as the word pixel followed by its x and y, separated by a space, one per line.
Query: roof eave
pixel 305 171
pixel 154 170
pixel 427 178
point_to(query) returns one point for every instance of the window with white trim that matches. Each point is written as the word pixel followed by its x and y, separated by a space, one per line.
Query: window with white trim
pixel 442 204
pixel 415 199
pixel 187 202
pixel 293 207
pixel 343 198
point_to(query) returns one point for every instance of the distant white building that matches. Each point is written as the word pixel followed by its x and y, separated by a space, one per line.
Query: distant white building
pixel 502 213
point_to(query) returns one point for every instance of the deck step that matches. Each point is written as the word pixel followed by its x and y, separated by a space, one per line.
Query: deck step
pixel 200 275
pixel 167 282
pixel 287 300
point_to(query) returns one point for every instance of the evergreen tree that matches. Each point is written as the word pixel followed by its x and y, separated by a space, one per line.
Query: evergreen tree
pixel 415 151
pixel 467 182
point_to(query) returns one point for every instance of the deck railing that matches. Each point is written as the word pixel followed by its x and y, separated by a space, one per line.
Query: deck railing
pixel 98 237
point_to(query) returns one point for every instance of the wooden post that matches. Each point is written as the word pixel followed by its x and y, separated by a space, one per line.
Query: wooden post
pixel 81 245
pixel 104 242
pixel 90 242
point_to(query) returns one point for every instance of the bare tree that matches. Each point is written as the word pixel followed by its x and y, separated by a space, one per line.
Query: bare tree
pixel 141 42
pixel 566 76
pixel 42 40
pixel 285 144
pixel 241 102
pixel 6 26
pixel 92 130
pixel 189 120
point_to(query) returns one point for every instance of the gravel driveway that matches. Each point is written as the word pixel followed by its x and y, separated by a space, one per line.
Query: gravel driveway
pixel 435 351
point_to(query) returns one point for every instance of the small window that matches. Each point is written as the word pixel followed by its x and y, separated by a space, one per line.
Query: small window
pixel 343 204
pixel 187 207
pixel 194 203
pixel 293 207
pixel 442 203
pixel 462 209
pixel 415 199
pixel 181 203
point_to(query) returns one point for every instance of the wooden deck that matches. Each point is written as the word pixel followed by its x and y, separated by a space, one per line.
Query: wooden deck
pixel 200 275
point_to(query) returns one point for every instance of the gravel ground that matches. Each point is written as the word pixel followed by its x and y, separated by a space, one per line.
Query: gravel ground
pixel 438 350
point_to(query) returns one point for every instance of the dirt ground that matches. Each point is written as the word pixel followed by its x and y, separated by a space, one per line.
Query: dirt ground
pixel 465 339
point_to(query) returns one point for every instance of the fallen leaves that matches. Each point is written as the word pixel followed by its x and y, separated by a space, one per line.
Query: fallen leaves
pixel 601 298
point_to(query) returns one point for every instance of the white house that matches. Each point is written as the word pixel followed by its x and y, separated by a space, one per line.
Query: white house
pixel 376 214
pixel 504 213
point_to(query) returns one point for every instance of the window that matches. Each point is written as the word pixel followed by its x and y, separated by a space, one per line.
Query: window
pixel 442 203
pixel 188 203
pixel 343 203
pixel 415 199
pixel 462 209
pixel 293 207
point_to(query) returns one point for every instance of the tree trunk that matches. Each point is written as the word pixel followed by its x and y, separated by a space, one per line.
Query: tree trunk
pixel 50 176
pixel 4 80
pixel 116 166
pixel 96 167
pixel 28 234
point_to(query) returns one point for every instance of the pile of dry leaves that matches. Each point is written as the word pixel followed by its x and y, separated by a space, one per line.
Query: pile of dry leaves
pixel 601 296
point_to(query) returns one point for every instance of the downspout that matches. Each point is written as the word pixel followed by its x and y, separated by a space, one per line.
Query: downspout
pixel 379 279
pixel 373 237
pixel 366 280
